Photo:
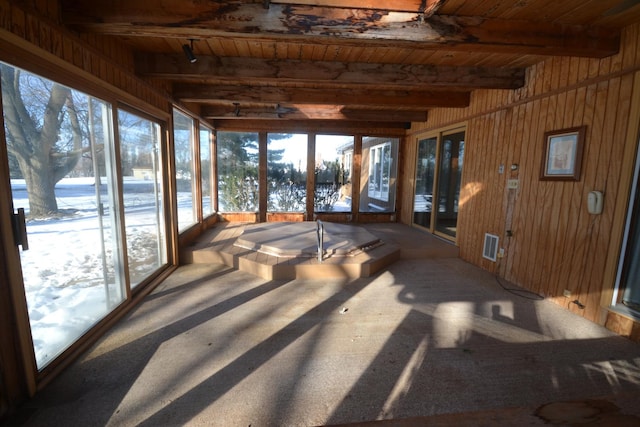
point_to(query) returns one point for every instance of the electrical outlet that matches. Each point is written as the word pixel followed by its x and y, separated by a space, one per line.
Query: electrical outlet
pixel 501 253
pixel 567 293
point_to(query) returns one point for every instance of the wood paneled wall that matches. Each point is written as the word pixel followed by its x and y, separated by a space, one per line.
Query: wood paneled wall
pixel 556 244
pixel 34 23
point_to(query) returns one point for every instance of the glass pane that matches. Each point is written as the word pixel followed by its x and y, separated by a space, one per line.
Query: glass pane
pixel 385 172
pixel 449 179
pixel 205 170
pixel 332 181
pixel 630 278
pixel 237 172
pixel 287 172
pixel 631 270
pixel 374 172
pixel 59 144
pixel 378 174
pixel 425 174
pixel 142 194
pixel 185 169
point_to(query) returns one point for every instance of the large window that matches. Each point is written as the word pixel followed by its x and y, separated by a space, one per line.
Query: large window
pixel 185 169
pixel 334 154
pixel 238 188
pixel 60 150
pixel 379 174
pixel 287 172
pixel 142 195
pixel 205 168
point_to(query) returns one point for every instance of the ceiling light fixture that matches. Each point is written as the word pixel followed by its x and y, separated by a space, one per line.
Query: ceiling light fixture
pixel 188 51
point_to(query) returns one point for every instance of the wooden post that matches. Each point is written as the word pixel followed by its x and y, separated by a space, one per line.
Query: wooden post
pixel 262 177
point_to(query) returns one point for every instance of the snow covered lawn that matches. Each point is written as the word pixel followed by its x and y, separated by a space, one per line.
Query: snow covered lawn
pixel 69 274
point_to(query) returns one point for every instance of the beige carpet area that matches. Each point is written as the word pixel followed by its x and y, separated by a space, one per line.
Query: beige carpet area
pixel 432 341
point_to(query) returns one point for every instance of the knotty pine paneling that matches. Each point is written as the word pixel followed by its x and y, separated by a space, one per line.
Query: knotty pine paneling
pixel 105 59
pixel 623 326
pixel 556 243
pixel 285 216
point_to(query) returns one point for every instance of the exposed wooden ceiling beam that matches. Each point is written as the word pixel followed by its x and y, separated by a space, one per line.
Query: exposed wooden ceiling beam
pixel 314 126
pixel 428 7
pixel 362 27
pixel 355 98
pixel 382 76
pixel 308 112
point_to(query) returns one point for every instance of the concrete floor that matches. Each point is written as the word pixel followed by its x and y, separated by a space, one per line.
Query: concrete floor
pixel 429 341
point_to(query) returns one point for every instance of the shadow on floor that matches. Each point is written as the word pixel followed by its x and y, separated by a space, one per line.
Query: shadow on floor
pixel 425 338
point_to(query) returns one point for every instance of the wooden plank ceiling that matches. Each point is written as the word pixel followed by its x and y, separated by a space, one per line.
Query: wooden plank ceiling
pixel 352 61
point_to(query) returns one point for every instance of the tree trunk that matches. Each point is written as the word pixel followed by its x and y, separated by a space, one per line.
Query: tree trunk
pixel 33 145
pixel 41 190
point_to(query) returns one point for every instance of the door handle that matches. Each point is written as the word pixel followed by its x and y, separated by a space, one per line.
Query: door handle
pixel 20 229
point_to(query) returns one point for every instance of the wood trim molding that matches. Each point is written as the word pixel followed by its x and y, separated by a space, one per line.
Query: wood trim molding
pixel 16 344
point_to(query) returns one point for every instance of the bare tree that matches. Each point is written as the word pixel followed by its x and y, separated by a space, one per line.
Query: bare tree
pixel 34 137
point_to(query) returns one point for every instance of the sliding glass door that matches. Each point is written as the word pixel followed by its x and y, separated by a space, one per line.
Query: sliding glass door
pixel 439 162
pixel 90 216
pixel 425 178
pixel 449 178
pixel 630 281
pixel 145 233
pixel 59 144
pixel 627 295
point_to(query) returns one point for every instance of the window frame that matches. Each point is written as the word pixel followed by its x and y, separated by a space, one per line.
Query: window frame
pixel 48 66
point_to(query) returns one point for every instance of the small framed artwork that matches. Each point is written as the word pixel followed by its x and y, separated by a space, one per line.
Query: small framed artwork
pixel 563 154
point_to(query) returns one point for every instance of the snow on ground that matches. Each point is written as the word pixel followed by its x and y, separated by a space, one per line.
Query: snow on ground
pixel 68 271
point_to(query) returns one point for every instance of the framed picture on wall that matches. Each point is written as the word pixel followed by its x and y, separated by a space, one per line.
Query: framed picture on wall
pixel 563 154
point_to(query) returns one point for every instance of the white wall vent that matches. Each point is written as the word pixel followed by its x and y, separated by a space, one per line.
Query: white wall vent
pixel 490 250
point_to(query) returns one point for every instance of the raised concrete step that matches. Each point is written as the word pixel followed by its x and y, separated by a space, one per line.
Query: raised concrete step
pixel 232 244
